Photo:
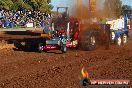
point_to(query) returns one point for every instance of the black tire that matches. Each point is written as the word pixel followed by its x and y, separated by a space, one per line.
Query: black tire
pixel 40 47
pixel 124 39
pixel 88 40
pixel 119 41
pixel 18 45
pixel 112 36
pixel 63 48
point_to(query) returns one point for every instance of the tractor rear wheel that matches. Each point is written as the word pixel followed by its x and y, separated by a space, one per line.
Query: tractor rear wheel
pixel 88 40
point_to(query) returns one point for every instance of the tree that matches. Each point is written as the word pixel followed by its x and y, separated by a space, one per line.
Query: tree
pixel 126 7
pixel 20 4
pixel 113 8
pixel 6 4
pixel 42 5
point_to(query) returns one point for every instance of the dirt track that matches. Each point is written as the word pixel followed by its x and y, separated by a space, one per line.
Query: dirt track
pixel 19 69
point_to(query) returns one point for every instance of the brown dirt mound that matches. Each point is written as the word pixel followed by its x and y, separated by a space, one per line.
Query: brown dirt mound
pixel 4 45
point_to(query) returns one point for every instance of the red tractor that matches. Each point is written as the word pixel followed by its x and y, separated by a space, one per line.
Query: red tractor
pixel 65 32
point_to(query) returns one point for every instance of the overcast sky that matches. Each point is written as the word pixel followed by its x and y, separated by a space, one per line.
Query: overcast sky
pixel 69 3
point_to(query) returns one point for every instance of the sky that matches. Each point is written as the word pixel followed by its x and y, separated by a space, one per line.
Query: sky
pixel 69 3
pixel 127 2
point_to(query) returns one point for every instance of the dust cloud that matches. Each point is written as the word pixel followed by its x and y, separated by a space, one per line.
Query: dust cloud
pixel 81 10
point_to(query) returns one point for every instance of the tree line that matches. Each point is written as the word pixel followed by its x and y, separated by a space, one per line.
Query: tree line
pixel 114 8
pixel 41 5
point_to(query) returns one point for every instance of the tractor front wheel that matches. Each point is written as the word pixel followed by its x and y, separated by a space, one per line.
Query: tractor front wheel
pixel 63 48
pixel 40 47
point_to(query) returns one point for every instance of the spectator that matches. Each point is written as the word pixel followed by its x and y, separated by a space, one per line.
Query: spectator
pixel 9 19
